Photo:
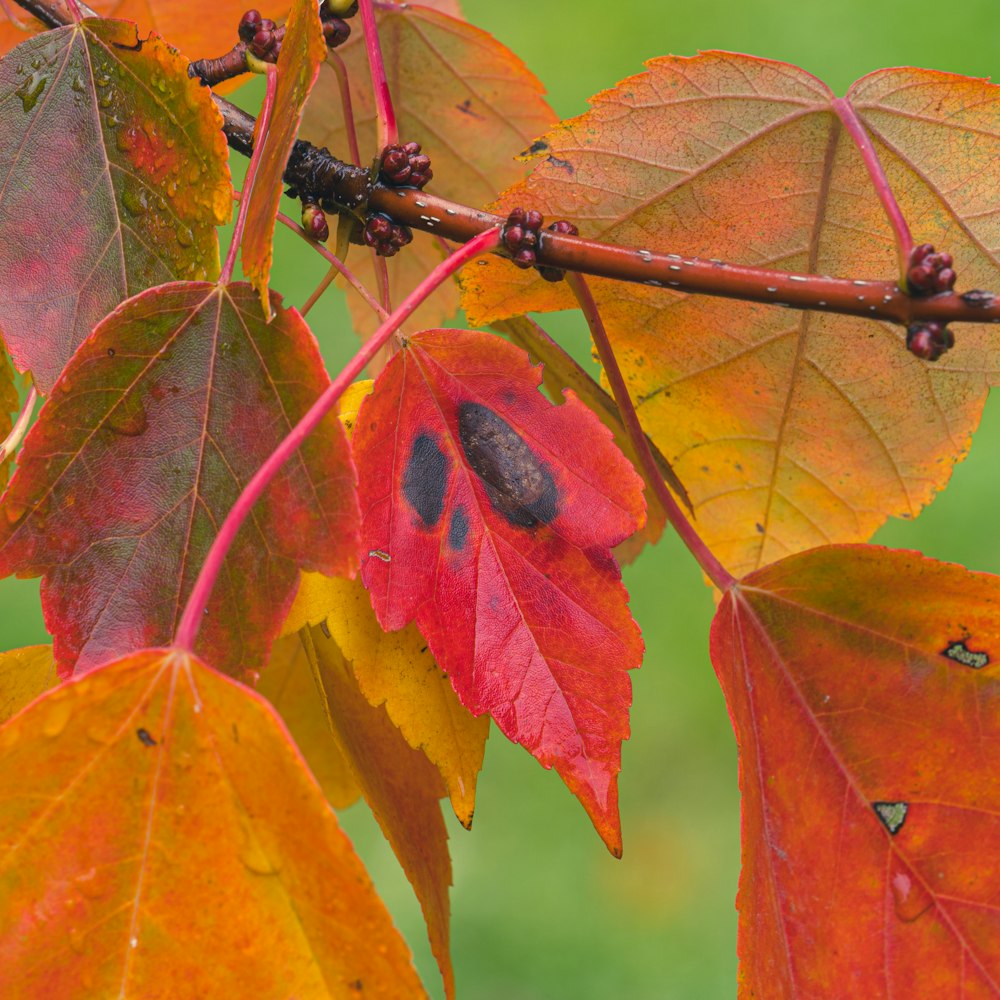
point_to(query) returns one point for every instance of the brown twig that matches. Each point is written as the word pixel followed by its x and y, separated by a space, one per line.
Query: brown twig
pixel 345 187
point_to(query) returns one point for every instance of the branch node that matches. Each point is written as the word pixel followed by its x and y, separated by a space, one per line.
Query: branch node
pixel 405 166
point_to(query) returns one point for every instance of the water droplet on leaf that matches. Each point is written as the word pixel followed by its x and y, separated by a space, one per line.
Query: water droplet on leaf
pixel 31 90
pixel 92 883
pixel 76 939
pixel 909 898
pixel 55 721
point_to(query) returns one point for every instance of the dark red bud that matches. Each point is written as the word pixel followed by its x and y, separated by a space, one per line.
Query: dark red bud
pixel 516 217
pixel 922 345
pixel 249 25
pixel 920 252
pixel 512 237
pixel 525 258
pixel 945 280
pixel 533 220
pixel 920 276
pixel 565 228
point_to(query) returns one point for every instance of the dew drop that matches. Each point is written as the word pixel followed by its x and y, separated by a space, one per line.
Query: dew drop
pixel 129 416
pixel 103 80
pixel 184 236
pixel 102 734
pixel 909 898
pixel 136 203
pixel 91 883
pixel 255 860
pixel 76 939
pixel 77 83
pixel 55 721
pixel 31 90
pixel 133 942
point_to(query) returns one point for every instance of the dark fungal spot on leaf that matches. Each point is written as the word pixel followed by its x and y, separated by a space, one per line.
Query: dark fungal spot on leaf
pixel 425 479
pixel 458 529
pixel 960 653
pixel 538 146
pixel 891 815
pixel 519 487
pixel 144 738
pixel 561 164
pixel 466 108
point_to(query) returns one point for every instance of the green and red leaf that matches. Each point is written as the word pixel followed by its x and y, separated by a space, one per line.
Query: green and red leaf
pixel 488 518
pixel 151 433
pixel 113 177
pixel 863 687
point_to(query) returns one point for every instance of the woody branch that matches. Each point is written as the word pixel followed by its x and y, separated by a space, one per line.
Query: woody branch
pixel 345 187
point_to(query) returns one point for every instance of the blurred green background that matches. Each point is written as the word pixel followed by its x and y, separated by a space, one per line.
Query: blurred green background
pixel 540 910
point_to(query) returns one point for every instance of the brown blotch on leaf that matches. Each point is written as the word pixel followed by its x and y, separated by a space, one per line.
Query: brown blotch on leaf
pixel 518 485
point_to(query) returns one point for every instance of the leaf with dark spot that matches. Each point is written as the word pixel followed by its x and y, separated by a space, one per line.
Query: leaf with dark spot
pixel 871 806
pixel 509 575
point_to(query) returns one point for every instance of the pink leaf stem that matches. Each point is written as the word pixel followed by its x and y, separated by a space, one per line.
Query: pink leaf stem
pixel 388 132
pixel 715 571
pixel 187 629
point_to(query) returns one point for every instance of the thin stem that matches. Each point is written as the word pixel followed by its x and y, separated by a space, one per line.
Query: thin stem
pixel 74 9
pixel 325 282
pixel 13 439
pixel 334 261
pixel 715 571
pixel 16 21
pixel 857 131
pixel 194 610
pixel 388 132
pixel 344 84
pixel 382 280
pixel 271 76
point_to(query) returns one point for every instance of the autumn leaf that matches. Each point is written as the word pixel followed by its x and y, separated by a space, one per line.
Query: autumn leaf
pixel 288 684
pixel 789 429
pixel 302 51
pixel 150 435
pixel 24 675
pixel 198 32
pixel 470 103
pixel 396 669
pixel 862 684
pixel 399 784
pixel 560 371
pixel 161 837
pixel 114 176
pixel 488 515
